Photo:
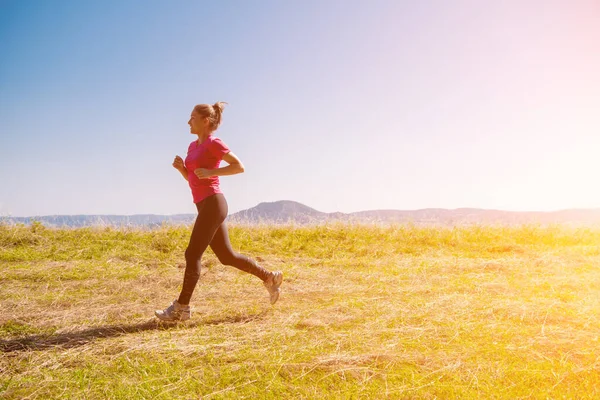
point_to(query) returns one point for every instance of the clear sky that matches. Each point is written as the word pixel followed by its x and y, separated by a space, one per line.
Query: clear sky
pixel 341 105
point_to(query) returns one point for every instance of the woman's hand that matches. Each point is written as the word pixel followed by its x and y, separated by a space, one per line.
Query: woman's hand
pixel 178 163
pixel 202 173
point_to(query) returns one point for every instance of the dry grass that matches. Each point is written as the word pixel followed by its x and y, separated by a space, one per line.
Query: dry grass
pixel 366 312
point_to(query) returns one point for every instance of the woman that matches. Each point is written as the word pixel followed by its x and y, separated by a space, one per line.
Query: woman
pixel 201 170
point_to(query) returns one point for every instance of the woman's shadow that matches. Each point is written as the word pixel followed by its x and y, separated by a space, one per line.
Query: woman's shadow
pixel 83 337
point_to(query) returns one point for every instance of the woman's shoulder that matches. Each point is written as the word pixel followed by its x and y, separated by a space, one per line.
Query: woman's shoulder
pixel 215 139
pixel 217 146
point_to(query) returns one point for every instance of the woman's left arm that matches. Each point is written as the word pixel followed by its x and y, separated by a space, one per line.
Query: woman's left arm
pixel 235 167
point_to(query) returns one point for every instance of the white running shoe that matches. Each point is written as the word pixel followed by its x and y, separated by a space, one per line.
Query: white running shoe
pixel 175 312
pixel 272 284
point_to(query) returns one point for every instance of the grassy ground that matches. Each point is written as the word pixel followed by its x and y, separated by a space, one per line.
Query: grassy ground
pixel 366 312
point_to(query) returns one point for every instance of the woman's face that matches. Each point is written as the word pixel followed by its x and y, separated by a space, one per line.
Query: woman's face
pixel 198 123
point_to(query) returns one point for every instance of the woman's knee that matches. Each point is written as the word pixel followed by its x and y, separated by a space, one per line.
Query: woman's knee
pixel 192 255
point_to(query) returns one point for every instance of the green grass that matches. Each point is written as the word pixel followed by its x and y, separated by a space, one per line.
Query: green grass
pixel 366 312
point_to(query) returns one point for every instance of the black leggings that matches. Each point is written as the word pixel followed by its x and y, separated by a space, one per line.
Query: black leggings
pixel 210 230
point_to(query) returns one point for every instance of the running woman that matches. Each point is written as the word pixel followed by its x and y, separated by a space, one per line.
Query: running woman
pixel 201 170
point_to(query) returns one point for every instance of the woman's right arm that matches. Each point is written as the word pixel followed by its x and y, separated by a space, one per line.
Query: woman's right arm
pixel 180 166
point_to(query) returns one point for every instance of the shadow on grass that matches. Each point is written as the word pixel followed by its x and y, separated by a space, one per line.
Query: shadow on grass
pixel 83 337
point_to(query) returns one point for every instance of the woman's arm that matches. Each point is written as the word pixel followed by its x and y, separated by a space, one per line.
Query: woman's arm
pixel 184 173
pixel 235 167
pixel 180 166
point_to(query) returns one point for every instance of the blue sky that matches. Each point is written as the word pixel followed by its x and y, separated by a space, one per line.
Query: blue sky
pixel 341 105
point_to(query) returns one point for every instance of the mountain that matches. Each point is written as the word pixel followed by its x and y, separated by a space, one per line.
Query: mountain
pixel 280 212
pixel 285 212
pixel 290 211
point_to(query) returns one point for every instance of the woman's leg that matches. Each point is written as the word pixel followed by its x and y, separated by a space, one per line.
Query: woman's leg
pixel 222 247
pixel 212 211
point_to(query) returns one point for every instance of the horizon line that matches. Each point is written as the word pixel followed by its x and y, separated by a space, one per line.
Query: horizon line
pixel 333 212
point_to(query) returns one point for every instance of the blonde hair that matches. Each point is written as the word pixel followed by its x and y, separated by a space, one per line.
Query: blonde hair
pixel 213 113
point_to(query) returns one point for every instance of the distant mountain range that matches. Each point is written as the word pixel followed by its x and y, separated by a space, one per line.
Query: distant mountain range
pixel 291 212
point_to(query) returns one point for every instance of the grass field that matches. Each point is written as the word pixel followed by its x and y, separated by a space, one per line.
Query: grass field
pixel 366 312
